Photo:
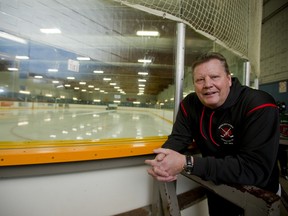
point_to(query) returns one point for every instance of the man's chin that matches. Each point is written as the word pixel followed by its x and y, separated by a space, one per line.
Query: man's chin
pixel 210 104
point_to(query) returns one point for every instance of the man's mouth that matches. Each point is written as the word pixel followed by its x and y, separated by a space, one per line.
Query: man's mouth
pixel 209 93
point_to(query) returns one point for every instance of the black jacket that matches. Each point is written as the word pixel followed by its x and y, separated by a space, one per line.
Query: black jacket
pixel 238 141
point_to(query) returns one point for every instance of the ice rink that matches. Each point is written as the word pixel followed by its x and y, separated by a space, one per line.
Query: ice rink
pixel 79 124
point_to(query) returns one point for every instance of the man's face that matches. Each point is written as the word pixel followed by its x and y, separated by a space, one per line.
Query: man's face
pixel 212 84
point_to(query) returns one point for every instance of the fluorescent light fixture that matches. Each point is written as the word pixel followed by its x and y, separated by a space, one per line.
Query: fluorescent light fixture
pixel 74 98
pixel 141 88
pixel 38 77
pixel 22 57
pixel 48 95
pixel 144 60
pixel 50 30
pixel 136 102
pixel 71 78
pixel 141 80
pixel 97 100
pixel 90 86
pixel 52 70
pixel 55 81
pixel 113 84
pixel 106 79
pixel 96 89
pixel 148 33
pixel 143 73
pixel 141 85
pixel 83 90
pixel 98 71
pixel 82 83
pixel 12 69
pixel 67 85
pixel 24 92
pixel 76 88
pixel 12 37
pixel 83 58
pixel 62 96
pixel 117 101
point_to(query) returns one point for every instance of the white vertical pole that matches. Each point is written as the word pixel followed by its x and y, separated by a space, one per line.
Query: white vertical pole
pixel 179 73
pixel 247 73
pixel 256 83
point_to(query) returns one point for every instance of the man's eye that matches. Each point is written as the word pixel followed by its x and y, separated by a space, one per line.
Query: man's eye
pixel 199 80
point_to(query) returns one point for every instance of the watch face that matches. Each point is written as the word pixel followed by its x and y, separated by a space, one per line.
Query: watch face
pixel 189 165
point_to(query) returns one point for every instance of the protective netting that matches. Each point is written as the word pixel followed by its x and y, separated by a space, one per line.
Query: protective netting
pixel 234 24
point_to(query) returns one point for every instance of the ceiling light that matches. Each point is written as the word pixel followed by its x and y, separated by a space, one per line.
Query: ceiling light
pixel 38 77
pixel 98 72
pixel 55 81
pixel 22 57
pixel 106 79
pixel 144 60
pixel 12 37
pixel 12 69
pixel 50 30
pixel 83 58
pixel 82 83
pixel 71 78
pixel 148 33
pixel 52 70
pixel 143 73
pixel 24 92
pixel 141 80
pixel 67 85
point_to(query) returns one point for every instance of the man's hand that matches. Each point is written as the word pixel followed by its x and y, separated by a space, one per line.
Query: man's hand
pixel 166 165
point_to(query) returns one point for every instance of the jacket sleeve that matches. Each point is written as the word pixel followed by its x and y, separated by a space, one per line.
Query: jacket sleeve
pixel 180 137
pixel 256 155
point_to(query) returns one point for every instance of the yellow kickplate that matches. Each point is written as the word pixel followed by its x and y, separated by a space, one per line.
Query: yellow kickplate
pixel 37 152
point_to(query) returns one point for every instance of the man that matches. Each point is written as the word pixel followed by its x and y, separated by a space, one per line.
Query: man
pixel 236 128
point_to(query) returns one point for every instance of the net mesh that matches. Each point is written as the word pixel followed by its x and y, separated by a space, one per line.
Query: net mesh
pixel 234 24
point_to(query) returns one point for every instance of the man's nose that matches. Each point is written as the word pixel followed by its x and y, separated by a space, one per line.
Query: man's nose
pixel 207 82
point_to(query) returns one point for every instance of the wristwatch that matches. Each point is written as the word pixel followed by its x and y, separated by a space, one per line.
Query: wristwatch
pixel 188 167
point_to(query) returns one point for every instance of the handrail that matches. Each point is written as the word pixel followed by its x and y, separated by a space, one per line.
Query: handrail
pixel 26 153
pixel 254 201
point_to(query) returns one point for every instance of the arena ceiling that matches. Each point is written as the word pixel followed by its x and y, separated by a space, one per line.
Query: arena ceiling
pixel 104 31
